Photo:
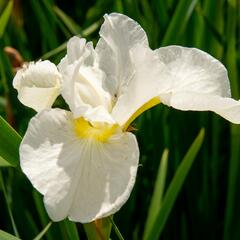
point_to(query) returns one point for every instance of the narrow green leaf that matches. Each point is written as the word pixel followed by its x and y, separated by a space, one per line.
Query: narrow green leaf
pixel 179 20
pixel 68 21
pixel 54 51
pixel 4 163
pixel 7 236
pixel 43 232
pixel 9 143
pixel 89 30
pixel 156 200
pixel 44 219
pixel 70 228
pixel 115 228
pixel 5 17
pixel 231 61
pixel 174 188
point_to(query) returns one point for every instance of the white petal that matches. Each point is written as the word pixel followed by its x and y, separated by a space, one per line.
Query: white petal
pixel 38 84
pixel 144 85
pixel 193 70
pixel 225 107
pixel 77 50
pixel 112 169
pixel 79 178
pixel 119 34
pixel 82 90
pixel 197 81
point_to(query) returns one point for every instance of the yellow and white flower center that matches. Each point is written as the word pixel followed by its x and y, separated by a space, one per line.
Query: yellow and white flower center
pixel 100 132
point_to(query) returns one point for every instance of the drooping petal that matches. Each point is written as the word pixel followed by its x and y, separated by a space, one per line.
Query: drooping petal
pixel 119 34
pixel 81 178
pixel 38 84
pixel 228 108
pixel 143 88
pixel 197 81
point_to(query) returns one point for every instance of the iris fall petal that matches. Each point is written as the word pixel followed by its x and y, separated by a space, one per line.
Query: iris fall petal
pixel 80 178
pixel 198 82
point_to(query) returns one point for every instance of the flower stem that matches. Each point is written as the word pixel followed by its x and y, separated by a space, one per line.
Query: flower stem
pixel 115 228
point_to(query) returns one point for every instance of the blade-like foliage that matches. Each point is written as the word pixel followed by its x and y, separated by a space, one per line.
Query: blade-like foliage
pixel 4 17
pixel 174 188
pixel 9 143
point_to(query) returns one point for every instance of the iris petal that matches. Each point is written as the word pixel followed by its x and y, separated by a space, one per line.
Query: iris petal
pixel 198 82
pixel 80 178
pixel 38 84
pixel 119 34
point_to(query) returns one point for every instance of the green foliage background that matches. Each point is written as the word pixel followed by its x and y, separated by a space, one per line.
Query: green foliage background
pixel 208 204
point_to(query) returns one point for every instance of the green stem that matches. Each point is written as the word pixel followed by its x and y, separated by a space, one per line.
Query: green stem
pixel 115 228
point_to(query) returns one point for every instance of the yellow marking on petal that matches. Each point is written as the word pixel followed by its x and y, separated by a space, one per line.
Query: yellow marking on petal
pixel 100 132
pixel 151 103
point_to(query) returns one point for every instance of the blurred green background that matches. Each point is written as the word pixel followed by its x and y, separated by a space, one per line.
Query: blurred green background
pixel 207 206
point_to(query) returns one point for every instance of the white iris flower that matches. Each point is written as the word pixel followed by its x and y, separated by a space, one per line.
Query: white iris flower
pixel 84 161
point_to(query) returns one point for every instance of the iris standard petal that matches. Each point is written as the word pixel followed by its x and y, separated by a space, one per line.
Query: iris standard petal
pixel 77 50
pixel 38 84
pixel 82 90
pixel 143 88
pixel 80 177
pixel 197 81
pixel 119 34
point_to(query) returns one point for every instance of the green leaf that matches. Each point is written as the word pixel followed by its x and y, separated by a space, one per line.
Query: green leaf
pixel 86 32
pixel 43 232
pixel 174 188
pixel 4 163
pixel 156 200
pixel 71 229
pixel 234 166
pixel 7 236
pixel 179 21
pixel 9 143
pixel 68 21
pixel 5 17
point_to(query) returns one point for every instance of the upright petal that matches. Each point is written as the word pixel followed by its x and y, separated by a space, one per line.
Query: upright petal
pixel 119 34
pixel 77 50
pixel 143 88
pixel 38 84
pixel 82 89
pixel 197 81
pixel 79 177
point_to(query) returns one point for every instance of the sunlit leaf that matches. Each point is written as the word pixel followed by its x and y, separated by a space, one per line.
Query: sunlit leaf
pixel 9 143
pixel 43 232
pixel 7 236
pixel 4 163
